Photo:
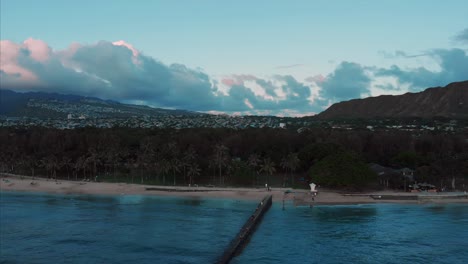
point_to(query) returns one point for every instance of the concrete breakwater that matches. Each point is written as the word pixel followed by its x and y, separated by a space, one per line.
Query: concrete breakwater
pixel 436 196
pixel 442 196
pixel 239 242
pixel 394 197
pixel 166 189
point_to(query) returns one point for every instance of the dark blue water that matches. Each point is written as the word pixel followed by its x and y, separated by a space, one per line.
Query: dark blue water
pixel 378 233
pixel 42 228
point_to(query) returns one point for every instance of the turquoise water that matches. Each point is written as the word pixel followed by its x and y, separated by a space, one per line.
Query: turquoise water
pixel 44 228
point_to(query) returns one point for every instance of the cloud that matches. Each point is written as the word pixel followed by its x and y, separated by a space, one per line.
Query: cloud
pixel 39 50
pixel 453 65
pixel 296 92
pixel 282 94
pixel 238 79
pixel 118 71
pixel 270 90
pixel 135 52
pixel 290 66
pixel 319 78
pixel 387 87
pixel 462 37
pixel 107 70
pixel 400 54
pixel 348 81
pixel 9 53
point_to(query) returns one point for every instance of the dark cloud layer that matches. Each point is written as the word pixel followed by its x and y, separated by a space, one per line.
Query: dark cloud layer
pixel 462 37
pixel 117 71
pixel 296 93
pixel 348 81
pixel 453 65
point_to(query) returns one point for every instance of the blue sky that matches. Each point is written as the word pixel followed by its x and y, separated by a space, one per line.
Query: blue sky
pixel 270 57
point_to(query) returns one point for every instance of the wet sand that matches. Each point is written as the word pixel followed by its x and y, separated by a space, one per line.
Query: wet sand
pixel 9 182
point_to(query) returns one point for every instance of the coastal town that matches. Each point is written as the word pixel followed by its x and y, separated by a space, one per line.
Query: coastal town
pixel 81 120
pixel 102 114
pixel 162 121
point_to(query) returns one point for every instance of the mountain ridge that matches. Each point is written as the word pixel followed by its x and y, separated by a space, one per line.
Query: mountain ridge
pixel 450 101
pixel 16 104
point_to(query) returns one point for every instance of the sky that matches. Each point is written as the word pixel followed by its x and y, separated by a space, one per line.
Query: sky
pixel 287 58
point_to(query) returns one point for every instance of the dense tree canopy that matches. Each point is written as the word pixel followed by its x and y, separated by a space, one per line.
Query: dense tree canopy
pixel 342 169
pixel 250 157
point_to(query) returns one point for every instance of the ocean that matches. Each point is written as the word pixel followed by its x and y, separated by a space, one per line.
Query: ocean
pixel 49 228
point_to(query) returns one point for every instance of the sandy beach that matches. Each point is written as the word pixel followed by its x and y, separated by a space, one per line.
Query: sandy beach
pixel 11 182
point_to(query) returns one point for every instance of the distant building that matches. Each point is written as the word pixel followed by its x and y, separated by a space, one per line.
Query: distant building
pixel 70 116
pixel 388 177
pixel 407 173
pixel 282 125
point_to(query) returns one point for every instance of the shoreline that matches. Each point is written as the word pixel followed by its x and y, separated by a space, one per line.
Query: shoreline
pixel 10 182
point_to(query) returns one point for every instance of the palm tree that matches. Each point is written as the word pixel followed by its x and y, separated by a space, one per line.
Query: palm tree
pixel 290 164
pixel 31 163
pixel 93 158
pixel 77 166
pixel 136 164
pixel 44 163
pixel 294 162
pixel 268 167
pixel 110 160
pixel 285 165
pixel 141 164
pixel 121 157
pixel 187 160
pixel 3 162
pixel 85 166
pixel 146 155
pixel 67 163
pixel 54 165
pixel 51 164
pixel 164 168
pixel 184 164
pixel 212 166
pixel 254 162
pixel 193 171
pixel 21 164
pixel 221 156
pixel 175 165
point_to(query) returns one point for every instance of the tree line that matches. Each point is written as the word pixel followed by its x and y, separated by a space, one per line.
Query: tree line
pixel 225 157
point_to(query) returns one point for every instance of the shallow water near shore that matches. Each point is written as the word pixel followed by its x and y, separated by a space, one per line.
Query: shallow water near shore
pixel 42 228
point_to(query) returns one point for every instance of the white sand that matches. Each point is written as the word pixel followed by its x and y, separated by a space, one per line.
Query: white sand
pixel 10 182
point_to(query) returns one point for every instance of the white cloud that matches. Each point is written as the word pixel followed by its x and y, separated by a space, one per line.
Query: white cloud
pixel 118 71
